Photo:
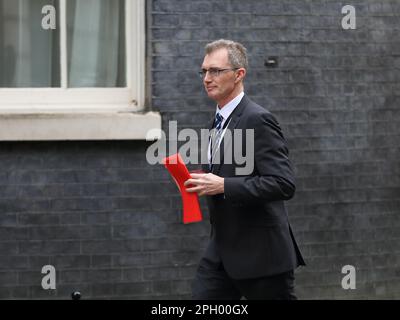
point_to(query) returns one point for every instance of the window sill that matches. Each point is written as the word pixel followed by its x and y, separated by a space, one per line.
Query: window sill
pixel 56 126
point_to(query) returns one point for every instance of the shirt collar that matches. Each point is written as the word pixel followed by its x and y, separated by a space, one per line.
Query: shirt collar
pixel 230 106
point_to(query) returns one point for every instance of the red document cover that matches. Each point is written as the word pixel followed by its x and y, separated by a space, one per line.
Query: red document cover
pixel 190 201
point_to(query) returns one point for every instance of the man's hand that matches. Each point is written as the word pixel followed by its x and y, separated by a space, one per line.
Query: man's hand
pixel 205 184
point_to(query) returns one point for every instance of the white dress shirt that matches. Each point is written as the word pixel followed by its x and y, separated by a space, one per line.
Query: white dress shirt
pixel 225 112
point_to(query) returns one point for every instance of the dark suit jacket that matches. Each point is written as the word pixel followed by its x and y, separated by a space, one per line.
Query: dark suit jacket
pixel 251 226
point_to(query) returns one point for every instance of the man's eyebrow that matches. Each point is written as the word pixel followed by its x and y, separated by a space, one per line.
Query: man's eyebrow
pixel 210 67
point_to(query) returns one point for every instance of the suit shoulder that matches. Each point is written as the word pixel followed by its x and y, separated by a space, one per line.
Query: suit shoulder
pixel 259 114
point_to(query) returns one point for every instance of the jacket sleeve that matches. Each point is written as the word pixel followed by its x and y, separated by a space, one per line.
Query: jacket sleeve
pixel 272 178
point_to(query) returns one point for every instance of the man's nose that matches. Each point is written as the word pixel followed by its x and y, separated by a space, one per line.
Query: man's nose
pixel 207 77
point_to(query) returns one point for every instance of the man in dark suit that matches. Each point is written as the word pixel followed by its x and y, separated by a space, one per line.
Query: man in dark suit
pixel 252 251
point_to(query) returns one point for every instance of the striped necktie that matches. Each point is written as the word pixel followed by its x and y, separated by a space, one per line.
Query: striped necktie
pixel 216 135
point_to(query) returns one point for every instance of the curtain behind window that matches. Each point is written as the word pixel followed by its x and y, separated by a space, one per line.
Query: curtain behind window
pixel 96 43
pixel 30 55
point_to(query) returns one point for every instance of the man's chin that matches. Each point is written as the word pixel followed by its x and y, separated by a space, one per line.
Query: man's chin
pixel 212 96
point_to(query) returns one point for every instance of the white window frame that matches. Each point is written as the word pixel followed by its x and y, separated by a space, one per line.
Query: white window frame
pixel 81 113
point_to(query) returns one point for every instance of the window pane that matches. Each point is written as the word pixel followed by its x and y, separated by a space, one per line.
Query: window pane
pixel 29 54
pixel 96 43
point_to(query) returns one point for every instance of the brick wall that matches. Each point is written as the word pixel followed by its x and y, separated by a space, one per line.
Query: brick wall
pixel 110 223
pixel 336 94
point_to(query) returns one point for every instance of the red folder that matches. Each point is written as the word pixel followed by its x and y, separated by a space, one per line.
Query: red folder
pixel 190 201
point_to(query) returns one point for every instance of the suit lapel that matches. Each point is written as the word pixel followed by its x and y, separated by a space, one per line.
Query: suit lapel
pixel 232 121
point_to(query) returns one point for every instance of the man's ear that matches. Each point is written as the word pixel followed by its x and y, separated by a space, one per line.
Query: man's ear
pixel 240 74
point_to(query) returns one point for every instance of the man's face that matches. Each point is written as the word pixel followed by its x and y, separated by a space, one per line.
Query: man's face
pixel 220 87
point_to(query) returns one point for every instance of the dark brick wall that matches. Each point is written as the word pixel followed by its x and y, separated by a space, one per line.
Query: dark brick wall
pixel 106 220
pixel 110 223
pixel 336 94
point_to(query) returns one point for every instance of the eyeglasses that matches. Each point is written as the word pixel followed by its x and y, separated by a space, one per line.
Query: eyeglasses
pixel 214 72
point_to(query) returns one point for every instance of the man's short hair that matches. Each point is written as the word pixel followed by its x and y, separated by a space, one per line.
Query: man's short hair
pixel 237 53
